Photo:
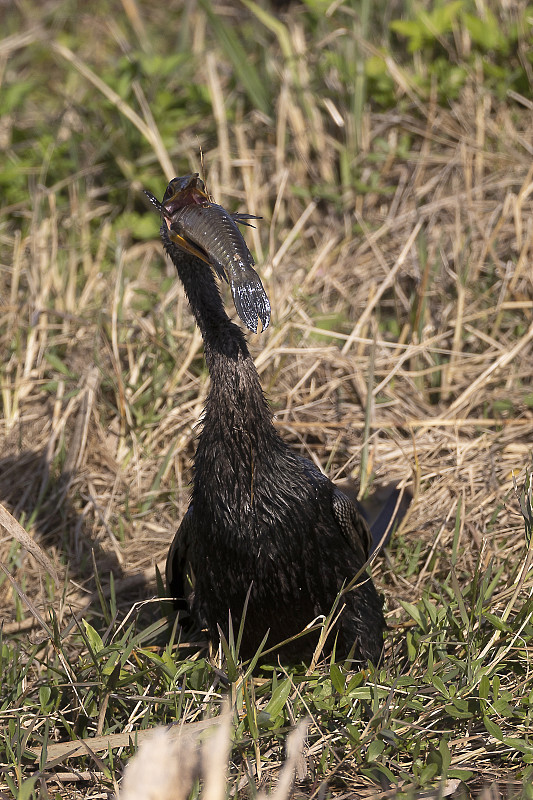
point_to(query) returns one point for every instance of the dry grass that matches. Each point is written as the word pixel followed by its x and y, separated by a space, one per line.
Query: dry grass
pixel 103 380
pixel 452 397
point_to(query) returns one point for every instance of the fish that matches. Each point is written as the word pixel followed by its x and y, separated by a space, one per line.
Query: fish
pixel 206 230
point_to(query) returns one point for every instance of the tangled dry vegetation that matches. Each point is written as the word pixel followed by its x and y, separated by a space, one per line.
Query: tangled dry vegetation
pixel 401 340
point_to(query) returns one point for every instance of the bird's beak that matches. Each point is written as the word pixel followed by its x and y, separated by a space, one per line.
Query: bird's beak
pixel 187 195
pixel 189 247
pixel 167 210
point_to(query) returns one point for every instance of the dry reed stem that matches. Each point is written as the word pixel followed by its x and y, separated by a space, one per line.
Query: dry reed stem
pixel 16 530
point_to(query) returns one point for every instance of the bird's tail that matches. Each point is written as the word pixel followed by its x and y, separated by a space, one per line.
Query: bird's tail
pixel 389 516
pixel 383 510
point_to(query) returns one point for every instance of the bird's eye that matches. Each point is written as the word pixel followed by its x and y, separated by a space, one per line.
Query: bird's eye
pixel 185 182
pixel 176 185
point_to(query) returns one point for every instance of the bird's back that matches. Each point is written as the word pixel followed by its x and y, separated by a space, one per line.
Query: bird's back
pixel 296 541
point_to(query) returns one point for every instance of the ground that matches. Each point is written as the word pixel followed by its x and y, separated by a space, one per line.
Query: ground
pixel 392 169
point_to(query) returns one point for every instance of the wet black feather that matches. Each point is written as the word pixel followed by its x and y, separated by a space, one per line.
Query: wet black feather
pixel 260 514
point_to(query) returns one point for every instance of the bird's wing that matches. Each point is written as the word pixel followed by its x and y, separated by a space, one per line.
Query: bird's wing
pixel 350 520
pixel 178 582
pixel 352 524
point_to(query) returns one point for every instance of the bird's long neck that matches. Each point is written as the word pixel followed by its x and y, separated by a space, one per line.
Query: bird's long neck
pixel 237 424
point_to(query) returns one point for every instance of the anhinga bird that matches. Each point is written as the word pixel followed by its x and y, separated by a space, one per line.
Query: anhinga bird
pixel 263 521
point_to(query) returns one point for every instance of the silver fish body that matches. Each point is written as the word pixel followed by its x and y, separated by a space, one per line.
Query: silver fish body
pixel 209 232
pixel 212 229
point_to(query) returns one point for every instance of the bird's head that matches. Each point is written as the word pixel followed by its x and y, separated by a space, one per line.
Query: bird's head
pixel 181 192
pixel 211 243
pixel 185 191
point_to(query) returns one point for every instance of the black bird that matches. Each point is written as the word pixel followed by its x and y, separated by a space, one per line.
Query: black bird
pixel 263 520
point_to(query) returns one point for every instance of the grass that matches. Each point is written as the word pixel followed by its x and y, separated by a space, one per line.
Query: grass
pixel 389 153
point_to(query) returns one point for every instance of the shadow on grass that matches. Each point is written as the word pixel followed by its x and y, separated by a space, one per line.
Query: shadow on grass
pixel 42 502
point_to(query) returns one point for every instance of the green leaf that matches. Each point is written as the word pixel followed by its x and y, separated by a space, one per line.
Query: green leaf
pixel 503 709
pixel 442 17
pixel 337 679
pixel 111 663
pixel 169 663
pixel 93 636
pixel 446 756
pixel 355 682
pixel 279 698
pixel 411 30
pixel 496 622
pixel 486 31
pixel 459 599
pixel 439 684
pixel 428 772
pixel 415 613
pixel 318 6
pixel 57 364
pixel 251 712
pixel 411 646
pixel 375 749
pixel 494 730
pixel 460 774
pixel 229 651
pixel 519 744
pixel 380 769
pixel 142 226
pixel 26 789
pixel 432 610
pixel 427 27
pixel 354 733
pixel 44 697
pixel 484 687
pixel 458 709
pixel 376 67
pixel 276 26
